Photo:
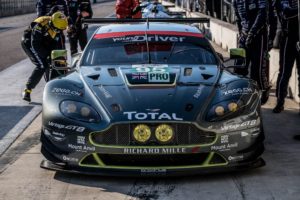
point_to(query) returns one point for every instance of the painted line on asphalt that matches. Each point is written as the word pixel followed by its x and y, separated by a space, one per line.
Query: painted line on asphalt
pixel 16 131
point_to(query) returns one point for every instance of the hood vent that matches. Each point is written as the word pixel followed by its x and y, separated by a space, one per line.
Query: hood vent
pixel 206 76
pixel 94 76
pixel 188 71
pixel 112 72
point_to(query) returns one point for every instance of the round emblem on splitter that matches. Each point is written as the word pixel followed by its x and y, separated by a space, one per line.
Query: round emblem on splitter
pixel 142 133
pixel 164 133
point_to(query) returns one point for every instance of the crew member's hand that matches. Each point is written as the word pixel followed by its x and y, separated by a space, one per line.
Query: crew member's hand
pixel 249 40
pixel 85 14
pixel 270 45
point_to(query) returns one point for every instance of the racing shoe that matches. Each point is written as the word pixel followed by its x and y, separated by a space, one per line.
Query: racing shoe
pixel 26 95
pixel 278 108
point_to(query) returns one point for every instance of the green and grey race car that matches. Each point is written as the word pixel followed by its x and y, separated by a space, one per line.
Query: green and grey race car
pixel 151 97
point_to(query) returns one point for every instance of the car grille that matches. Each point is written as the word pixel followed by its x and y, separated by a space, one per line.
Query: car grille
pixel 154 160
pixel 121 134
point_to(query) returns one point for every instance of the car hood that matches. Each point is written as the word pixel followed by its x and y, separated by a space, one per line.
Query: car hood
pixel 181 100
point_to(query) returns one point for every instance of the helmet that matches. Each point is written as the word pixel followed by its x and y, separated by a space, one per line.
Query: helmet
pixel 59 21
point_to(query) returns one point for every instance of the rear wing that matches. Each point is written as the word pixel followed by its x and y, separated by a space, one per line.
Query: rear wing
pixel 115 20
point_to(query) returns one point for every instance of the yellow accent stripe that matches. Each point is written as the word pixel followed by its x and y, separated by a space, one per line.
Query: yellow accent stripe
pixel 103 166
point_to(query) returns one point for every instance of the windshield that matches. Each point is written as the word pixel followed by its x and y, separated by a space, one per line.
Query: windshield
pixel 158 49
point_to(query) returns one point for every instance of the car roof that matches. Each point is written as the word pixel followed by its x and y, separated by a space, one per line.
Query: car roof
pixel 153 26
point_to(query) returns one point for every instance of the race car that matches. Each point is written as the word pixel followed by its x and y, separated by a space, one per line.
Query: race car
pixel 151 97
pixel 154 9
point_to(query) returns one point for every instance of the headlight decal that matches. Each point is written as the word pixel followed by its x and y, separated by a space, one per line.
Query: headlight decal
pixel 79 111
pixel 231 100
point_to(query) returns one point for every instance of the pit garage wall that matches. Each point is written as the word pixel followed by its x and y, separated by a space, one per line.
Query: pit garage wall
pixel 225 35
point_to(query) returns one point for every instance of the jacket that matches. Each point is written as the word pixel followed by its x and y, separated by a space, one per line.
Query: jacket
pixel 124 9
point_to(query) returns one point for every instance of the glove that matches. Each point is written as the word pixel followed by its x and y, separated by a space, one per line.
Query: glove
pixel 270 45
pixel 249 41
pixel 242 40
pixel 71 31
pixel 136 10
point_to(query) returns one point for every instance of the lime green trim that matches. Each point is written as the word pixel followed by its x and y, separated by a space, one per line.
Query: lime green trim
pixel 203 165
pixel 98 160
pixel 208 159
pixel 156 167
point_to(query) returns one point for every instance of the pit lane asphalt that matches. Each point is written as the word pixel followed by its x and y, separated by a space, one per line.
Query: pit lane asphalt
pixel 21 177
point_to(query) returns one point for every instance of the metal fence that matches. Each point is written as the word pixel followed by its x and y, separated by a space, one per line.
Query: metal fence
pixel 16 7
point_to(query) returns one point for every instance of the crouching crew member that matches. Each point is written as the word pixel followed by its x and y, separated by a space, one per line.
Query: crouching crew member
pixel 42 36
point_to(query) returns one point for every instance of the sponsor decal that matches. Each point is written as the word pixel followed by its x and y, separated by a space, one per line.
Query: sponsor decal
pixel 235 158
pixel 67 92
pixel 79 129
pixel 81 148
pixel 154 150
pixel 144 38
pixel 244 134
pixel 105 92
pixel 198 92
pixel 70 159
pixel 58 134
pixel 153 73
pixel 224 139
pixel 159 77
pixel 58 137
pixel 80 140
pixel 238 126
pixel 133 115
pixel 153 35
pixel 140 76
pixel 153 110
pixel 224 147
pixel 238 91
pixel 255 132
pixel 153 171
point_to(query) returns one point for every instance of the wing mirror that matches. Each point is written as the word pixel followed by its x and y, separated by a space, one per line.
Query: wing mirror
pixel 237 58
pixel 59 59
pixel 75 59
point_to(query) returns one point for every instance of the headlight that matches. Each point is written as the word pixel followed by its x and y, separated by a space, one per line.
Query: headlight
pixel 79 111
pixel 225 110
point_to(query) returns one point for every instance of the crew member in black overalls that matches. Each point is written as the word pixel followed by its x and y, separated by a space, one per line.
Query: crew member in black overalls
pixel 252 22
pixel 77 32
pixel 287 11
pixel 42 36
pixel 48 7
